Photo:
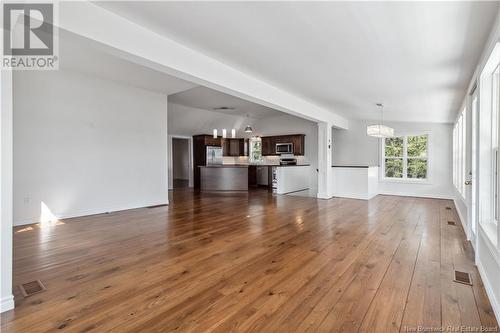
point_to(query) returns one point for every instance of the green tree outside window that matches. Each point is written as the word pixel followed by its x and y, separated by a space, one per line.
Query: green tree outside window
pixel 405 157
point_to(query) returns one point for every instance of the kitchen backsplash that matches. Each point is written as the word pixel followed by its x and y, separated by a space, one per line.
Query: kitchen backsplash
pixel 265 160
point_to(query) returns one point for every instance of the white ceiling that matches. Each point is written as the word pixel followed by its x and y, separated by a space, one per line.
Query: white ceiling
pixel 415 57
pixel 86 56
pixel 83 55
pixel 208 99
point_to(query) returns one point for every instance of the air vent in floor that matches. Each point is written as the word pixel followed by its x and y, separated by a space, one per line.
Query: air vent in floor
pixel 463 277
pixel 448 208
pixel 452 223
pixel 31 288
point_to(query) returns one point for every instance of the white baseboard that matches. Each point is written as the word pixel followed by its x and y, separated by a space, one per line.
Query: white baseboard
pixel 462 220
pixel 417 195
pixel 88 212
pixel 495 303
pixel 7 303
pixel 324 196
pixel 398 194
pixel 353 196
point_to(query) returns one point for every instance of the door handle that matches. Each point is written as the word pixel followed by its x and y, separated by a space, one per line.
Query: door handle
pixel 468 182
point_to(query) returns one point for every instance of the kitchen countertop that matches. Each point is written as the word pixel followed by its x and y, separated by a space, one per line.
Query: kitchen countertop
pixel 354 166
pixel 249 165
pixel 223 166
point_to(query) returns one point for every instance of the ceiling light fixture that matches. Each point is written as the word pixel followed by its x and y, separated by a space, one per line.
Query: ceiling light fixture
pixel 380 130
pixel 249 128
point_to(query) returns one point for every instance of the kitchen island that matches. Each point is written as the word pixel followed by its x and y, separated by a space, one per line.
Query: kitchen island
pixel 281 179
pixel 224 177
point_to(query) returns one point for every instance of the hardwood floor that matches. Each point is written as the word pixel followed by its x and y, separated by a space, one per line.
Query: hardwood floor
pixel 250 262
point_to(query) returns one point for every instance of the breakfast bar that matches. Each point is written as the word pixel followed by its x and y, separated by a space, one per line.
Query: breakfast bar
pixel 281 179
pixel 224 177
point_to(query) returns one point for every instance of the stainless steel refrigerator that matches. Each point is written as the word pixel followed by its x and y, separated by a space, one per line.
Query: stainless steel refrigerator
pixel 214 155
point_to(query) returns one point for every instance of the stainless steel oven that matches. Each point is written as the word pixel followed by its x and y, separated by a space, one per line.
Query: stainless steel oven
pixel 284 148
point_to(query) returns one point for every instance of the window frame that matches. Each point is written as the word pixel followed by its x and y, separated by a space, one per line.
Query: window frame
pixel 487 165
pixel 460 153
pixel 405 158
pixel 495 135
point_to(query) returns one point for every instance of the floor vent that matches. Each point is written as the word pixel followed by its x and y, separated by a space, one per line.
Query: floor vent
pixel 156 206
pixel 448 208
pixel 463 277
pixel 452 223
pixel 31 288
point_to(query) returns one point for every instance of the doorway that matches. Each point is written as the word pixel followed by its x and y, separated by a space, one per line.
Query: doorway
pixel 180 163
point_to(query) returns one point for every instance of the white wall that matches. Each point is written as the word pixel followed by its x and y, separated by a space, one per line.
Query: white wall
pixel 180 158
pixel 186 121
pixel 6 297
pixel 353 146
pixel 487 255
pixel 84 145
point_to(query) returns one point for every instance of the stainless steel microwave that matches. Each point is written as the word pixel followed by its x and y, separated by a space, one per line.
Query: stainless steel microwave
pixel 284 148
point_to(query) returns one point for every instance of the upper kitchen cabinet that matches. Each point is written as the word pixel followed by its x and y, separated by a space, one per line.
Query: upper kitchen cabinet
pixel 299 143
pixel 269 143
pixel 211 141
pixel 268 146
pixel 233 147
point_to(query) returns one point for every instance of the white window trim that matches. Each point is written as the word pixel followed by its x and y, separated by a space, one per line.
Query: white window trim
pixel 405 180
pixel 460 174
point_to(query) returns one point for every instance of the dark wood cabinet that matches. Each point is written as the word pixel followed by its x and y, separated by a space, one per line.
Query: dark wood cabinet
pixel 200 144
pixel 269 143
pixel 240 147
pixel 252 175
pixel 266 146
pixel 233 147
pixel 211 141
pixel 298 144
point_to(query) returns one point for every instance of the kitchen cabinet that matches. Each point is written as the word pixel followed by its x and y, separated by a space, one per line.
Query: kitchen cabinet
pixel 200 143
pixel 211 141
pixel 267 146
pixel 269 143
pixel 252 175
pixel 233 147
pixel 298 144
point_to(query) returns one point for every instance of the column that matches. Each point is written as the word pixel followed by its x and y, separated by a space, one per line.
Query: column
pixel 325 174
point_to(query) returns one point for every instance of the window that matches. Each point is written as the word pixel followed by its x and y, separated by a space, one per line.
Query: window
pixel 494 140
pixel 488 142
pixel 405 157
pixel 459 153
pixel 255 149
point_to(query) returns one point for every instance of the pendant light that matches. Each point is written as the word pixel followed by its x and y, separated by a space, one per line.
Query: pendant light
pixel 380 130
pixel 248 129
